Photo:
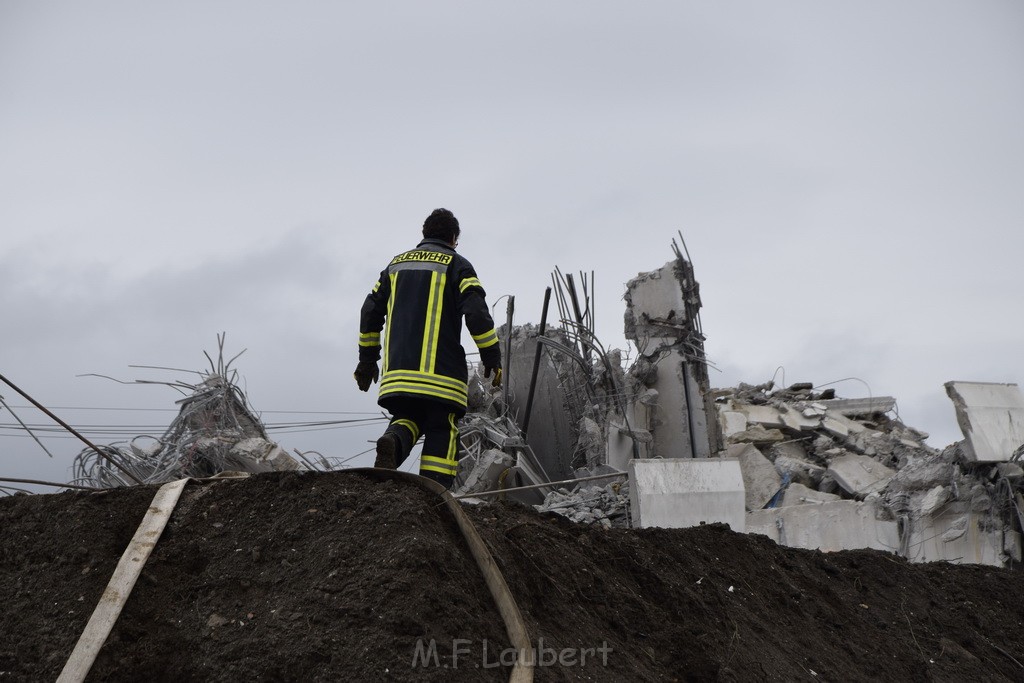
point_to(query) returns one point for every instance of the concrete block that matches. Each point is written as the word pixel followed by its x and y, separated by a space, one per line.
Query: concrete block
pixel 655 308
pixel 796 420
pixel 684 492
pixel 798 494
pixel 486 471
pixel 760 478
pixel 991 417
pixel 766 416
pixel 955 537
pixel 733 422
pixel 835 421
pixel 836 525
pixel 859 475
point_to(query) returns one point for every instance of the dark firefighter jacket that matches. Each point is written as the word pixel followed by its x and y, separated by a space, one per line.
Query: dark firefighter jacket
pixel 423 296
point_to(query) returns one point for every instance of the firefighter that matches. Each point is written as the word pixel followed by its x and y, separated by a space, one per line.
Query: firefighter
pixel 414 316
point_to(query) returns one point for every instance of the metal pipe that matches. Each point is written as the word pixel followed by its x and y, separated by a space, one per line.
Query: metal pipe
pixel 68 427
pixel 536 361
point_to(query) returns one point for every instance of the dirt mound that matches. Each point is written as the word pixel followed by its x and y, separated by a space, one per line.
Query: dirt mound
pixel 332 576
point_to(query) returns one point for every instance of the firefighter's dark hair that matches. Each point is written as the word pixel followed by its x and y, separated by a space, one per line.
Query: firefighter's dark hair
pixel 441 224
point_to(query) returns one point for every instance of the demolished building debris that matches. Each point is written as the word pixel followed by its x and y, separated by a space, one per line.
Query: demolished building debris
pixel 215 431
pixel 798 464
pixel 818 470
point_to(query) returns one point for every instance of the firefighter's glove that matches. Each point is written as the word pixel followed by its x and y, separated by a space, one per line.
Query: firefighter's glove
pixel 366 373
pixel 496 382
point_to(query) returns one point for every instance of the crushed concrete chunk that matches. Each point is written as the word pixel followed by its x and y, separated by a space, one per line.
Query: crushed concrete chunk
pixel 799 470
pixel 733 422
pixel 859 475
pixel 761 481
pixel 933 500
pixel 757 434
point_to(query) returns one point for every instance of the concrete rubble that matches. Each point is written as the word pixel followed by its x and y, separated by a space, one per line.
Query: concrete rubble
pixel 215 431
pixel 812 469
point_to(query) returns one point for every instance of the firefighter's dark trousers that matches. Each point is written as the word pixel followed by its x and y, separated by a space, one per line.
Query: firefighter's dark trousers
pixel 438 425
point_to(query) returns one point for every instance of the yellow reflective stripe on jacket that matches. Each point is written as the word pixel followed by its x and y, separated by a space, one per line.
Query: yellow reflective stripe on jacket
pixel 411 426
pixel 369 338
pixel 387 329
pixel 376 287
pixel 422 389
pixel 442 465
pixel 432 324
pixel 469 282
pixel 489 338
pixel 416 376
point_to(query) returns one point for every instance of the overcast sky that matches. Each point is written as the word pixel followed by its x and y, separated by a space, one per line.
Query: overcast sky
pixel 848 177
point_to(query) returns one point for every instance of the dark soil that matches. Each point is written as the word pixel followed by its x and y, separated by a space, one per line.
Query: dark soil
pixel 306 577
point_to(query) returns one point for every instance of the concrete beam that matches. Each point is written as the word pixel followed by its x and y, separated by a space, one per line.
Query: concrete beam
pixel 860 407
pixel 859 475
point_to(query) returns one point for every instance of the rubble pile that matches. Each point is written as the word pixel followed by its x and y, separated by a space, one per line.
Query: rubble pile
pixel 215 431
pixel 857 464
pixel 606 505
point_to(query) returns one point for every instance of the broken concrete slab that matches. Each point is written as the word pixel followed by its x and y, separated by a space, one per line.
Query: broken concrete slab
pixel 991 417
pixel 933 500
pixel 684 492
pixel 798 494
pixel 799 470
pixel 859 475
pixel 733 422
pixel 859 407
pixel 760 478
pixel 959 537
pixel 831 526
pixel 840 425
pixel 755 433
pixel 794 419
pixel 766 416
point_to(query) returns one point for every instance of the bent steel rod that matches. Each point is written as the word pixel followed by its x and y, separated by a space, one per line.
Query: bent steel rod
pixel 551 484
pixel 49 483
pixel 71 429
pixel 536 361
